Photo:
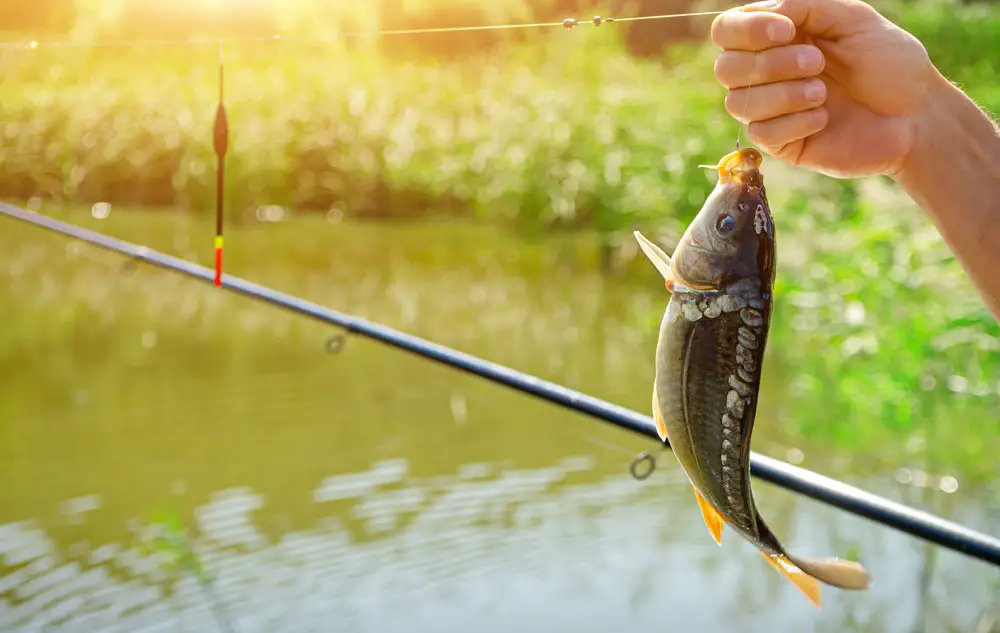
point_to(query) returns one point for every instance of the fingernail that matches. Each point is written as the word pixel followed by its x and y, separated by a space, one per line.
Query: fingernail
pixel 814 91
pixel 809 59
pixel 779 31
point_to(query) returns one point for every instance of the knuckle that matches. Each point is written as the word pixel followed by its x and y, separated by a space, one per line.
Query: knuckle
pixel 821 116
pixel 794 94
pixel 727 69
pixel 758 135
pixel 722 70
pixel 726 28
pixel 863 10
pixel 737 30
pixel 798 10
pixel 776 64
pixel 759 39
pixel 767 135
pixel 753 68
pixel 763 67
pixel 736 105
pixel 791 6
pixel 731 103
pixel 719 27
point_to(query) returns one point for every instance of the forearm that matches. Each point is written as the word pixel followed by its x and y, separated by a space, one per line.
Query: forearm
pixel 953 173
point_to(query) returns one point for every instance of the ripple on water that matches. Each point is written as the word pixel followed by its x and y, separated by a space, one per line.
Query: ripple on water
pixel 458 560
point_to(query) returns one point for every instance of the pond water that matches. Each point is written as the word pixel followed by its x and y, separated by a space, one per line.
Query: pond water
pixel 371 490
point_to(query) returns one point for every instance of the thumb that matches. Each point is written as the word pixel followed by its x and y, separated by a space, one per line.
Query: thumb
pixel 829 19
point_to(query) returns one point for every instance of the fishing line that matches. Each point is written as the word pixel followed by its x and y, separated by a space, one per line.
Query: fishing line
pixel 746 103
pixel 568 23
pixel 614 448
pixel 642 465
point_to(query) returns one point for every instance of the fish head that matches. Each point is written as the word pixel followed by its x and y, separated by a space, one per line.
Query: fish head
pixel 732 237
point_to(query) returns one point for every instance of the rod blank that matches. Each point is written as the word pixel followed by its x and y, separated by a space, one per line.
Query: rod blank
pixel 915 522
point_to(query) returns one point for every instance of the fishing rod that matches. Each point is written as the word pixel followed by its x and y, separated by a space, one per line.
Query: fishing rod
pixel 918 523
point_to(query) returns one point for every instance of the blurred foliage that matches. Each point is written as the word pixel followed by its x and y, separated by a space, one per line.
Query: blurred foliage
pixel 565 131
pixel 956 37
pixel 876 320
pixel 556 135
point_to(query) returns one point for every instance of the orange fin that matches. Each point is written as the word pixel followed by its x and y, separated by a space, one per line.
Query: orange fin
pixel 805 583
pixel 713 520
pixel 661 426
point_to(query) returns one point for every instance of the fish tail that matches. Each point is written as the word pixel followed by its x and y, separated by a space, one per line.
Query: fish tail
pixel 836 572
pixel 803 581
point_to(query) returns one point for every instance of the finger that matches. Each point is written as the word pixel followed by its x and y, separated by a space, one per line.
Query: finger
pixel 773 100
pixel 751 31
pixel 737 69
pixel 820 18
pixel 780 135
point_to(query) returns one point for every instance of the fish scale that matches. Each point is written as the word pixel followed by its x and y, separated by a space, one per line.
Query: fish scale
pixel 721 477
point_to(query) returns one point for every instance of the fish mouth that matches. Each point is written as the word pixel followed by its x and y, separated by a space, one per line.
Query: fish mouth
pixel 740 167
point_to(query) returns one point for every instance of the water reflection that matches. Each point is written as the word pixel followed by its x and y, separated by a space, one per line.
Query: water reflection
pixel 487 547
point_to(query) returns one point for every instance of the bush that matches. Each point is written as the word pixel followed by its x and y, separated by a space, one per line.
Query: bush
pixel 571 134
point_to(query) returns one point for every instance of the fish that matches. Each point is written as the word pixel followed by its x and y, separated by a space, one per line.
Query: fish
pixel 709 357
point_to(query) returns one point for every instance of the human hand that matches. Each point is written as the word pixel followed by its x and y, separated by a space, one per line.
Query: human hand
pixel 830 85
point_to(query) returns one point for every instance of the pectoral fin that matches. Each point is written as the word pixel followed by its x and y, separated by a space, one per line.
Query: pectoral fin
pixel 656 255
pixel 805 583
pixel 713 520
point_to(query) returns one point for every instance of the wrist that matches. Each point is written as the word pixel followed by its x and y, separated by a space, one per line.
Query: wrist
pixel 952 135
pixel 933 130
pixel 952 172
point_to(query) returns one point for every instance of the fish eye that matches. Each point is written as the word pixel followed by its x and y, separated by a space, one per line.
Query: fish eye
pixel 725 224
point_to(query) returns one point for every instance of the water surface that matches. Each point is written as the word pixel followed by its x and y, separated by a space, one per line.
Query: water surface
pixel 371 490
